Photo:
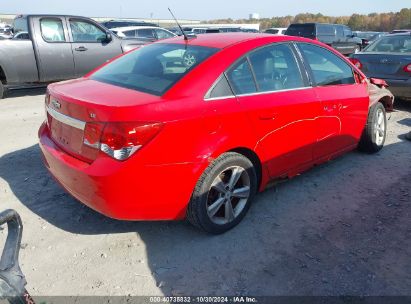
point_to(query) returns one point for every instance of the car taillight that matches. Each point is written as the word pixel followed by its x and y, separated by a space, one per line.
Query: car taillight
pixel 407 68
pixel 46 103
pixel 120 140
pixel 356 62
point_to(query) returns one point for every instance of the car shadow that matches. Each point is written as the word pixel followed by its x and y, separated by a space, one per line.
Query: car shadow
pixel 309 236
pixel 26 92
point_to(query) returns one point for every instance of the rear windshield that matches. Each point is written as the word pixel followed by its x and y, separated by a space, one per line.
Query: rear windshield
pixel 154 68
pixel 302 30
pixel 20 25
pixel 391 44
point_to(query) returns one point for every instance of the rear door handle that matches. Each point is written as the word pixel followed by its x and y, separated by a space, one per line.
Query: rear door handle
pixel 268 116
pixel 81 49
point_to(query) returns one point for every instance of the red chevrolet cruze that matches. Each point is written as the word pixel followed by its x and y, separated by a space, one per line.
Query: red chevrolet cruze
pixel 194 128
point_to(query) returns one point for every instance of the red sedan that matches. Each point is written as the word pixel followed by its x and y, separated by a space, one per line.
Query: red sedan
pixel 193 129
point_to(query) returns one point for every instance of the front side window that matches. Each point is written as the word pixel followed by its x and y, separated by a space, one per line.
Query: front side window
pixel 52 30
pixel 153 68
pixel 145 33
pixel 162 34
pixel 276 68
pixel 241 78
pixel 327 68
pixel 83 31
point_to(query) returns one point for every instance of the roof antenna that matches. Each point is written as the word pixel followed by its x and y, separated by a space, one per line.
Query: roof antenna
pixel 181 29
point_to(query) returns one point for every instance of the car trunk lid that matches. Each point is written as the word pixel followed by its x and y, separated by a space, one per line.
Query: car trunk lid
pixel 73 104
pixel 385 66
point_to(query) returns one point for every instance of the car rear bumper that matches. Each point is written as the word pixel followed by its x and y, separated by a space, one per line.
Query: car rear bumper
pixel 400 88
pixel 128 190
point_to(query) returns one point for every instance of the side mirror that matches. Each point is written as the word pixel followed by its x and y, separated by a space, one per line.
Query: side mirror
pixel 109 37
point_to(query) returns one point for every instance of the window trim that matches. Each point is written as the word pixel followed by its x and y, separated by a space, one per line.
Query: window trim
pixel 309 70
pixel 62 23
pixel 85 21
pixel 299 62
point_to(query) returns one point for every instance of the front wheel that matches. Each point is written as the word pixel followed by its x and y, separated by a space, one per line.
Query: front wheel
pixel 375 131
pixel 2 90
pixel 223 194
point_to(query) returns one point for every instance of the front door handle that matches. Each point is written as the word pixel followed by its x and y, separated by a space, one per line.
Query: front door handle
pixel 81 49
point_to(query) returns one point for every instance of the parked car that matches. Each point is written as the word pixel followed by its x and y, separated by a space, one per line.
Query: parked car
pixel 276 31
pixel 194 128
pixel 388 58
pixel 338 36
pixel 149 32
pixel 21 35
pixel 368 37
pixel 400 31
pixel 124 23
pixel 249 30
pixel 60 47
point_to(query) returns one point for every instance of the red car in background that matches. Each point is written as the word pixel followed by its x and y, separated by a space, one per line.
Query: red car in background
pixel 194 128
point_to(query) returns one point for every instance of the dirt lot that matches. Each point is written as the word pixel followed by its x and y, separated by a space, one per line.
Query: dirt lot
pixel 340 229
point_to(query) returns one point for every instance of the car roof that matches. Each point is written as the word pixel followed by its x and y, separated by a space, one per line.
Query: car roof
pixel 223 40
pixel 135 27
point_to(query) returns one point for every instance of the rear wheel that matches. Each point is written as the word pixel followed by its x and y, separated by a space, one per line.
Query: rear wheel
pixel 375 130
pixel 2 90
pixel 223 194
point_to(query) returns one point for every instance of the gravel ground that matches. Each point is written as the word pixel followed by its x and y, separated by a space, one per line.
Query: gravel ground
pixel 342 228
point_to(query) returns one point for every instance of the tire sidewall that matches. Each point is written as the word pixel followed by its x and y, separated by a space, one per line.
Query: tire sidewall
pixel 375 111
pixel 202 196
pixel 2 90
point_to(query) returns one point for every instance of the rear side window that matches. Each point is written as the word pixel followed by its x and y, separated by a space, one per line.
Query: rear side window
pixel 130 33
pixel 20 25
pixel 153 68
pixel 276 68
pixel 220 89
pixel 302 30
pixel 327 68
pixel 52 30
pixel 325 29
pixel 241 78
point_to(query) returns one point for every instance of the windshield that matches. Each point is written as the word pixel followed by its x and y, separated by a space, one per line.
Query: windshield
pixel 154 68
pixel 391 44
pixel 302 30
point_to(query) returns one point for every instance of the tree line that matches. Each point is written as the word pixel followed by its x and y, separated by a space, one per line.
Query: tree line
pixel 383 22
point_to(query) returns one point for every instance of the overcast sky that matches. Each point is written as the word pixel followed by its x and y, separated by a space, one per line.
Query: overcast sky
pixel 200 9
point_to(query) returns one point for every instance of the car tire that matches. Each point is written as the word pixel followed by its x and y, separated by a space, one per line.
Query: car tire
pixel 375 131
pixel 2 91
pixel 223 194
pixel 357 49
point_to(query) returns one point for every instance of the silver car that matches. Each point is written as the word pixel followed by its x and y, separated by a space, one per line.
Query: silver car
pixel 388 58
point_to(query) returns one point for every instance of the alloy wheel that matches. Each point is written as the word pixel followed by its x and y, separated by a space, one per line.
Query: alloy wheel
pixel 228 195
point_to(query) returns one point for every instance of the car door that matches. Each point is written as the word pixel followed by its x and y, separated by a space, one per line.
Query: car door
pixel 52 48
pixel 282 108
pixel 90 46
pixel 344 100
